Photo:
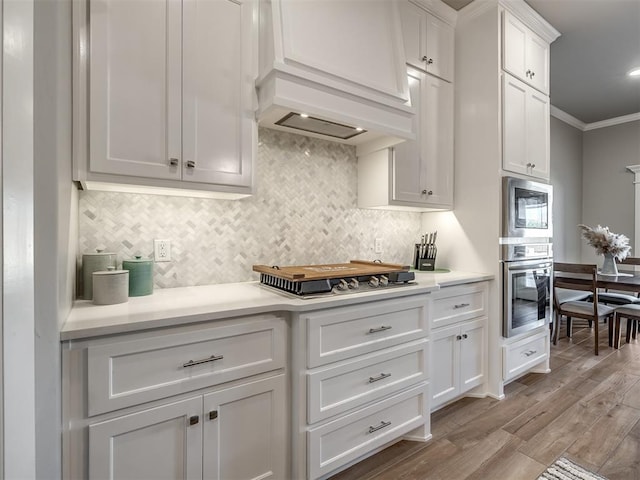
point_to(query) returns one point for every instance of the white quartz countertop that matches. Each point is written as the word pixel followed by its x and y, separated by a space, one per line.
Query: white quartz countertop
pixel 179 306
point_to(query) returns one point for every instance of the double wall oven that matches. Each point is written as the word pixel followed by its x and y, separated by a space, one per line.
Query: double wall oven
pixel 527 255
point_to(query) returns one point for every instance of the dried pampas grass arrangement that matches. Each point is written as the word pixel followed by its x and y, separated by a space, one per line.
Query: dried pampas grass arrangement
pixel 605 241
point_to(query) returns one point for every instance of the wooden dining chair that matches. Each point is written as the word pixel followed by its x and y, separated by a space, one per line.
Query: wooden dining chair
pixel 580 277
pixel 619 298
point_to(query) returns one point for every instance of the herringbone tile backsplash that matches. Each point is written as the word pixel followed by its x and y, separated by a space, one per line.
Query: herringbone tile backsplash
pixel 303 211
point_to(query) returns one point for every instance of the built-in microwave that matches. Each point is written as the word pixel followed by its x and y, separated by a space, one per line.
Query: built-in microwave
pixel 527 208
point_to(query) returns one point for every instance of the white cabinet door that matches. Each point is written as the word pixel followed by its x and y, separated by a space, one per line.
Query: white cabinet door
pixel 428 41
pixel 245 431
pixel 472 354
pixel 440 38
pixel 538 62
pixel 525 54
pixel 160 443
pixel 538 134
pixel 408 163
pixel 217 115
pixel 458 362
pixel 135 88
pixel 445 365
pixel 423 168
pixel 437 141
pixel 514 113
pixel 525 129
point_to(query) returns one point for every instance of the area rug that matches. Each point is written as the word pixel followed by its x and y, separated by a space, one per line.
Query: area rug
pixel 563 469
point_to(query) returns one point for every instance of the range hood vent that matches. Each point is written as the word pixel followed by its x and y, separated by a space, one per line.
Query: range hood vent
pixel 319 126
pixel 308 64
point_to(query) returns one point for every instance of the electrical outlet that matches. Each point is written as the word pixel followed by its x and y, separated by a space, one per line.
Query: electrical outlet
pixel 377 246
pixel 162 250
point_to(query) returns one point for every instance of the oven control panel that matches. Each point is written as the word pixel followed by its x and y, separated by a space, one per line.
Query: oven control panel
pixel 527 251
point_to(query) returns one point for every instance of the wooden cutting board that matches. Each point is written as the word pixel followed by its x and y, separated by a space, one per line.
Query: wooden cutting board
pixel 355 268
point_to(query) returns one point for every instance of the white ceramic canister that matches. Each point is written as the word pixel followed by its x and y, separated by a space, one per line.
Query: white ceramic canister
pixel 110 287
pixel 95 262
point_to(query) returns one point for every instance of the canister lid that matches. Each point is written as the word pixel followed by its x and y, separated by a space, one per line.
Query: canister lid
pixel 99 253
pixel 138 259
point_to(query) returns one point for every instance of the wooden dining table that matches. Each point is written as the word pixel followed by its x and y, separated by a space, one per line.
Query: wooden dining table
pixel 628 280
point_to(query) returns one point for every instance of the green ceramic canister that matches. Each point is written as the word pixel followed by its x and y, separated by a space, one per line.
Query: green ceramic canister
pixel 140 276
pixel 95 262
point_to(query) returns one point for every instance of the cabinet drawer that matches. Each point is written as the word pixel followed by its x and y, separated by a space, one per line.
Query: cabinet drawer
pixel 350 384
pixel 129 372
pixel 524 354
pixel 340 333
pixel 455 304
pixel 341 441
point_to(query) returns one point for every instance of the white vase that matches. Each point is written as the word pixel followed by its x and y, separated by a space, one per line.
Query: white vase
pixel 609 266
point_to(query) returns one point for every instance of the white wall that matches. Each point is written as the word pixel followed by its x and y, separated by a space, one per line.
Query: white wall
pixel 566 178
pixel 607 188
pixel 55 207
pixel 18 258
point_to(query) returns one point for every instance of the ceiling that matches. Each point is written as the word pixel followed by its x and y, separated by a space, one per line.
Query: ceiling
pixel 599 44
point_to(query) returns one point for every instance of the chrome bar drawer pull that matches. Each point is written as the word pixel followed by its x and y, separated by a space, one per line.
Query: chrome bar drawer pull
pixel 379 427
pixel 382 376
pixel 379 329
pixel 212 358
pixel 461 305
pixel 530 352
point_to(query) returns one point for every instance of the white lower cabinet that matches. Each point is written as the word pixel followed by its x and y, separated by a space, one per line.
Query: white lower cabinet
pixel 458 341
pixel 156 443
pixel 220 415
pixel 523 354
pixel 458 353
pixel 361 377
pixel 233 433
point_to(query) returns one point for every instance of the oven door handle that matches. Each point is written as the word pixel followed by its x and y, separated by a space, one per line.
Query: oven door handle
pixel 529 266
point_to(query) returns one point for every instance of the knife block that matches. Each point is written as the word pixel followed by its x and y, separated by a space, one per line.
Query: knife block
pixel 425 260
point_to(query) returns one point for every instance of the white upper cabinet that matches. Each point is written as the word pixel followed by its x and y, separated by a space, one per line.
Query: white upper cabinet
pixel 428 41
pixel 170 93
pixel 525 54
pixel 525 125
pixel 416 174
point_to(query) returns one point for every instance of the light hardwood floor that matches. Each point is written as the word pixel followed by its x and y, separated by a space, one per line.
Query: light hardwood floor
pixel 587 409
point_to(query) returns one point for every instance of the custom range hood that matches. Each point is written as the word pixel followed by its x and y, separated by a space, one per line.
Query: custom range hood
pixel 334 70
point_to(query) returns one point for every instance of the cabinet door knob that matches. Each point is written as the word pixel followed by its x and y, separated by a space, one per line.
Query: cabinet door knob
pixel 213 414
pixel 532 74
pixel 533 165
pixel 193 420
pixel 464 335
pixel 428 60
pixel 528 73
pixel 458 337
pixel 191 164
pixel 174 162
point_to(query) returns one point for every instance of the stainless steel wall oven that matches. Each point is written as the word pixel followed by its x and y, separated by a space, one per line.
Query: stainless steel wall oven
pixel 527 273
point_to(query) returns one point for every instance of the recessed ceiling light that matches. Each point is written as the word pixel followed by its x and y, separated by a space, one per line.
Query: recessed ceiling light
pixel 634 73
pixel 304 115
pixel 359 129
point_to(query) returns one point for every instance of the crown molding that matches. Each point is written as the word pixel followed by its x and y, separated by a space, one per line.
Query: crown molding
pixel 439 9
pixel 566 118
pixel 580 125
pixel 531 18
pixel 613 121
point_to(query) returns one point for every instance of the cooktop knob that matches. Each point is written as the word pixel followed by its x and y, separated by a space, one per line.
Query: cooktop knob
pixel 384 280
pixel 354 284
pixel 342 285
pixel 374 282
